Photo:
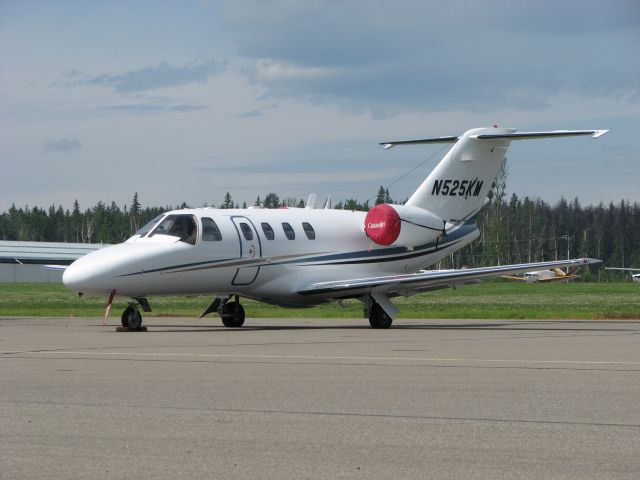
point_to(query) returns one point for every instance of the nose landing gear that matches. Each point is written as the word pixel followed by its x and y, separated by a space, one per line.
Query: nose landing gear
pixel 131 317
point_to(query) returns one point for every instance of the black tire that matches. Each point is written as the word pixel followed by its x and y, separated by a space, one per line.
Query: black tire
pixel 131 318
pixel 378 318
pixel 232 315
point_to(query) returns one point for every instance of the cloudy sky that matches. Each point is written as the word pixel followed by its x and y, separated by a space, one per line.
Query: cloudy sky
pixel 182 101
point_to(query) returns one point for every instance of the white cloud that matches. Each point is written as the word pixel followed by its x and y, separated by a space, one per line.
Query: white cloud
pixel 64 145
pixel 270 70
pixel 304 95
pixel 147 78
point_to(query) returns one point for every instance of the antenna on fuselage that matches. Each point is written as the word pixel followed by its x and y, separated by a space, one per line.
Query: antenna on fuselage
pixel 311 202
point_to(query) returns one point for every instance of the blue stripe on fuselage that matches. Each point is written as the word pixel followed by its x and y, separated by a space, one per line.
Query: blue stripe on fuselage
pixel 392 254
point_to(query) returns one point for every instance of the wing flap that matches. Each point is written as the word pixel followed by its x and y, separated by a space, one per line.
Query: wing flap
pixel 409 284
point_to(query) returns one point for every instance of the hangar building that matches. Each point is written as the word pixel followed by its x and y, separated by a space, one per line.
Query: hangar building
pixel 23 262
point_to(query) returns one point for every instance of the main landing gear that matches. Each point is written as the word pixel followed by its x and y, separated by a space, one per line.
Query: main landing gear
pixel 131 317
pixel 231 312
pixel 379 309
pixel 378 318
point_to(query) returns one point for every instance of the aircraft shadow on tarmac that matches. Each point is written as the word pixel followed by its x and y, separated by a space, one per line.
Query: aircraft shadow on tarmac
pixel 537 325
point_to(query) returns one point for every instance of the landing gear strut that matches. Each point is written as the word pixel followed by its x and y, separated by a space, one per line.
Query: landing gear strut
pixel 232 313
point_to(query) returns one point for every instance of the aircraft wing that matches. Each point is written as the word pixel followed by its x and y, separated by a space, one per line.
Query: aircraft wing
pixel 559 279
pixel 512 277
pixel 625 269
pixel 413 283
pixel 60 268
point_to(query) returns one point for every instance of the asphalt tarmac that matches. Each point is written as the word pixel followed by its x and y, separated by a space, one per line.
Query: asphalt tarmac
pixel 314 398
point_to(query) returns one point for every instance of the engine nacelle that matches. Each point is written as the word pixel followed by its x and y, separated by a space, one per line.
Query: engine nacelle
pixel 399 224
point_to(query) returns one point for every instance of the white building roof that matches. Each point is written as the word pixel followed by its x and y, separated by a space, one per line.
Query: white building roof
pixel 44 252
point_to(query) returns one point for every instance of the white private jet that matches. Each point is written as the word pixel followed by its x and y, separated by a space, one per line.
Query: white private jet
pixel 634 276
pixel 300 257
pixel 545 276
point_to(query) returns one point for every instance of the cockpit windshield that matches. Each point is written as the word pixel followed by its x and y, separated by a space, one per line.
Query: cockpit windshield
pixel 182 226
pixel 147 228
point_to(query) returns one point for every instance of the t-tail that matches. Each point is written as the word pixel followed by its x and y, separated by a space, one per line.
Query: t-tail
pixel 456 189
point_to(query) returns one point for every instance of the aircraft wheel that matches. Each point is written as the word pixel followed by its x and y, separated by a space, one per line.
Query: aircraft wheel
pixel 378 318
pixel 232 315
pixel 131 318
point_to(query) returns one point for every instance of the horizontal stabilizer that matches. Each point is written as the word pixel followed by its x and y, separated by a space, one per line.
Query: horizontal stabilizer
pixel 536 135
pixel 505 136
pixel 388 145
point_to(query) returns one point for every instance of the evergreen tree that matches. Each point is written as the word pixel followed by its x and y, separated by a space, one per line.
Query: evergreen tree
pixel 228 201
pixel 134 214
pixel 272 200
pixel 512 230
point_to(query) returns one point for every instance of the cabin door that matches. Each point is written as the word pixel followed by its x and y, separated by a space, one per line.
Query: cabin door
pixel 250 251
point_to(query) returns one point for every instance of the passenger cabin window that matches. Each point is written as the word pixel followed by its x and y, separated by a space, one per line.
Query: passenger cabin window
pixel 210 231
pixel 246 231
pixel 288 231
pixel 268 231
pixel 309 231
pixel 147 228
pixel 182 226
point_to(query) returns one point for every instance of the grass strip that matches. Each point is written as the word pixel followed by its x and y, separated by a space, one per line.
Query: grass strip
pixel 489 300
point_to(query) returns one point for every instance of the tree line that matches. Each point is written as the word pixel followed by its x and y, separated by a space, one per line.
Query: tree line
pixel 512 230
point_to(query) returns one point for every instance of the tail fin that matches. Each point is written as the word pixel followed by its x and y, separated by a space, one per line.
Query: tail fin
pixel 455 190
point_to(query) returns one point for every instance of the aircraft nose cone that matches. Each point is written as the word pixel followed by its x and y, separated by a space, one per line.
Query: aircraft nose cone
pixel 74 277
pixel 107 269
pixel 91 273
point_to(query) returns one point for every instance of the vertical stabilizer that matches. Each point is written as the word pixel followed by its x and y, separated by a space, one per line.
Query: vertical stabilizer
pixel 457 187
pixel 455 190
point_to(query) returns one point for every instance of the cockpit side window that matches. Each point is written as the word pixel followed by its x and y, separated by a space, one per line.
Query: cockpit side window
pixel 210 231
pixel 182 226
pixel 147 228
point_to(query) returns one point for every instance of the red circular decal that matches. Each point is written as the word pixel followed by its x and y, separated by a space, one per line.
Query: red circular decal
pixel 382 224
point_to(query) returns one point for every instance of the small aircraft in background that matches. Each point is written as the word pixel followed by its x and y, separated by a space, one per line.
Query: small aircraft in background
pixel 551 275
pixel 301 257
pixel 634 276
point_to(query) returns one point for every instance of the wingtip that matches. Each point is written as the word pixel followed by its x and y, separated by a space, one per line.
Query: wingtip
pixel 591 260
pixel 599 133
